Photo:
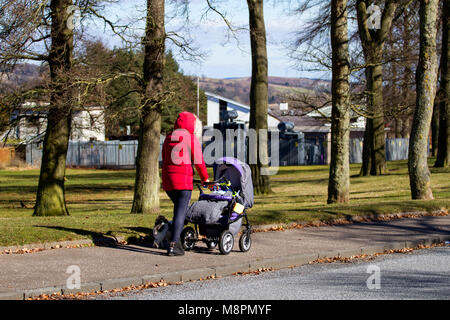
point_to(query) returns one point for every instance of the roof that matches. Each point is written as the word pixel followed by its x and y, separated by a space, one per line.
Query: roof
pixel 310 122
pixel 314 121
pixel 237 105
pixel 38 138
pixel 303 123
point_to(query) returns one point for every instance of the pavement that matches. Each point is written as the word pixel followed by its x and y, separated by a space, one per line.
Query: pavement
pixel 105 268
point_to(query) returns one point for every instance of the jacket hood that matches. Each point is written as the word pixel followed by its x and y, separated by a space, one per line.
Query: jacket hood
pixel 185 120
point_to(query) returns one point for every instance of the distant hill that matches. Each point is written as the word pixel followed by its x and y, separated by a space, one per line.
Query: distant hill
pixel 238 89
pixel 24 75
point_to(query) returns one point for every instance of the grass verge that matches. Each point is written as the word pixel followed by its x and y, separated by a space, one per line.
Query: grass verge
pixel 99 202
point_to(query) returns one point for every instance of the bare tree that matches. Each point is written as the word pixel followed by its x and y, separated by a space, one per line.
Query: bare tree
pixel 435 125
pixel 401 53
pixel 43 31
pixel 258 95
pixel 389 51
pixel 47 23
pixel 258 88
pixel 443 152
pixel 147 184
pixel 372 40
pixel 50 195
pixel 154 95
pixel 426 78
pixel 339 178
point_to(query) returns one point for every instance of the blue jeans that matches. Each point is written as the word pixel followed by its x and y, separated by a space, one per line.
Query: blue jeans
pixel 180 199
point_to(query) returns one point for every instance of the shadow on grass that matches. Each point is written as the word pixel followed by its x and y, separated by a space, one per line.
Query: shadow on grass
pixel 21 176
pixel 355 196
pixel 71 188
pixel 147 231
pixel 98 238
pixel 272 198
pixel 291 216
pixel 99 175
pixel 279 182
pixel 348 212
pixel 98 187
pixel 102 175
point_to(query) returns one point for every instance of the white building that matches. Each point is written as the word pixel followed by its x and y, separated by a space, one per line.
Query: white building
pixel 29 122
pixel 358 122
pixel 88 124
pixel 216 104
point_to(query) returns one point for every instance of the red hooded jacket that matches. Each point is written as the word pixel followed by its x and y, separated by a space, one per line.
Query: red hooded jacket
pixel 180 151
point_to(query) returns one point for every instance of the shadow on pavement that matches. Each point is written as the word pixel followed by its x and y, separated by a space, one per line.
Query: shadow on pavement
pixel 108 240
pixel 141 245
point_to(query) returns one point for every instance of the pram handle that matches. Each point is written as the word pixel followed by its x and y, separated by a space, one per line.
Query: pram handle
pixel 209 183
pixel 201 184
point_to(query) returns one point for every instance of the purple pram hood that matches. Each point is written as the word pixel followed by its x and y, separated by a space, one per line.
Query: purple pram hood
pixel 242 182
pixel 228 160
pixel 239 174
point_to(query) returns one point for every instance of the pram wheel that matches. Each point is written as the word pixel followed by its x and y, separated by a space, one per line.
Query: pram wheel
pixel 188 238
pixel 226 242
pixel 245 241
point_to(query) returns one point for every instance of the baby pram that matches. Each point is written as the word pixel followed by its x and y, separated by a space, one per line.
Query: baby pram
pixel 218 214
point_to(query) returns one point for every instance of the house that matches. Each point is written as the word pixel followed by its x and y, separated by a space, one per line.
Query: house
pixel 216 105
pixel 88 124
pixel 316 127
pixel 30 122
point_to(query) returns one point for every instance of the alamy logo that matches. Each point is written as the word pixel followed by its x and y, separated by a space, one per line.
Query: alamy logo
pixel 74 280
pixel 374 281
pixel 74 18
pixel 374 21
pixel 231 143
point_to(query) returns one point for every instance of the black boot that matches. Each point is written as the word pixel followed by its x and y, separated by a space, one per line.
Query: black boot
pixel 175 249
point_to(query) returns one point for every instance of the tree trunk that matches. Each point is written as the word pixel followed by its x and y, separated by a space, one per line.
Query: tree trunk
pixel 339 178
pixel 443 153
pixel 147 184
pixel 435 126
pixel 258 95
pixel 377 141
pixel 426 78
pixel 50 199
pixel 374 154
pixel 408 75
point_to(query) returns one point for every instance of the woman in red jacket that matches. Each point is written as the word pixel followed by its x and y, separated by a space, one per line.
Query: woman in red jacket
pixel 181 150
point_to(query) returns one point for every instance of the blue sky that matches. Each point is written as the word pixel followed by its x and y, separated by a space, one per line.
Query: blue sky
pixel 224 57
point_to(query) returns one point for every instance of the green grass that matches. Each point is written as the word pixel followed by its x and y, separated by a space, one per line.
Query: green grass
pixel 99 202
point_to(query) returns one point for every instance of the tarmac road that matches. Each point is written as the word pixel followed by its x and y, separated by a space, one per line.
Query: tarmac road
pixel 422 274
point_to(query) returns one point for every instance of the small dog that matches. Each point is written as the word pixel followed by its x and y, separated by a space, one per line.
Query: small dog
pixel 162 232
